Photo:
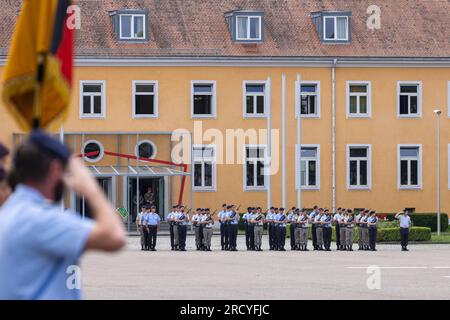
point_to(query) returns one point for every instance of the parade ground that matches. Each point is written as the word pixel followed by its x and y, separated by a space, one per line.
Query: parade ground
pixel 421 273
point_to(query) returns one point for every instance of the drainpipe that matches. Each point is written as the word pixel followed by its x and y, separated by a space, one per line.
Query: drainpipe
pixel 283 127
pixel 333 134
pixel 269 142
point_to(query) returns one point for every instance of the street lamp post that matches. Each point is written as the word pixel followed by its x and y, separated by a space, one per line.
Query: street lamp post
pixel 438 114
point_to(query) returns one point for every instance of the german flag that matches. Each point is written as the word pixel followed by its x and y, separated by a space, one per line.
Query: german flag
pixel 38 74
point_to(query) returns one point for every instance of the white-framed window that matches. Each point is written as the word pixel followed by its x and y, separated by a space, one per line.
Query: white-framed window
pixel 146 149
pixel 248 28
pixel 204 168
pixel 254 167
pixel 308 99
pixel 409 166
pixel 254 98
pixel 132 27
pixel 92 99
pixel 335 28
pixel 92 151
pixel 409 99
pixel 145 99
pixel 359 99
pixel 309 166
pixel 203 99
pixel 359 166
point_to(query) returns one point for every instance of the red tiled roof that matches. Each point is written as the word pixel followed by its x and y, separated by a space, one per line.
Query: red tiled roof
pixel 409 28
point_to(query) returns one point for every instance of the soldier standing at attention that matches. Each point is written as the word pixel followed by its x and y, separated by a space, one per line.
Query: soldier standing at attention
pixel 196 218
pixel 270 227
pixel 258 222
pixel 405 224
pixel 153 220
pixel 372 224
pixel 252 229
pixel 182 221
pixel 319 229
pixel 140 228
pixel 312 219
pixel 276 230
pixel 365 230
pixel 343 228
pixel 223 227
pixel 281 226
pixel 292 218
pixel 360 226
pixel 327 229
pixel 232 220
pixel 336 219
pixel 144 227
pixel 297 226
pixel 246 217
pixel 349 232
pixel 171 220
pixel 303 225
pixel 207 222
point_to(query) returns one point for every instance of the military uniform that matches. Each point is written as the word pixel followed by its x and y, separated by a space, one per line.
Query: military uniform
pixel 292 218
pixel 152 222
pixel 280 231
pixel 258 222
pixel 372 222
pixel 170 218
pixel 319 232
pixel 182 223
pixel 327 231
pixel 207 223
pixel 232 221
pixel 365 232
pixel 336 219
pixel 312 218
pixel 249 231
pixel 358 222
pixel 342 231
pixel 198 230
pixel 349 232
pixel 223 230
pixel 303 227
pixel 146 231
pixel 271 229
pixel 140 229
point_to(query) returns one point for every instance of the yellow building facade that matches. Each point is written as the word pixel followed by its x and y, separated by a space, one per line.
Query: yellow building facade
pixel 368 129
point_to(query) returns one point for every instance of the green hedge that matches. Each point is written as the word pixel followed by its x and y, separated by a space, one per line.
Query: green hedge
pixel 428 220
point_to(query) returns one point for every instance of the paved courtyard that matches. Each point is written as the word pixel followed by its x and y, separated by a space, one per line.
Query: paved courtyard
pixel 422 273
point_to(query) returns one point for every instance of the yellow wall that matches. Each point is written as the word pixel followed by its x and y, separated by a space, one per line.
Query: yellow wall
pixel 383 130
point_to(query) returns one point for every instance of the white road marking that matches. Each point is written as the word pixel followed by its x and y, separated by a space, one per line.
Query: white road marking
pixel 389 267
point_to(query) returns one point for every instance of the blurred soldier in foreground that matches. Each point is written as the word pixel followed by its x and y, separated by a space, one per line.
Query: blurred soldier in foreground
pixel 38 241
pixel 4 188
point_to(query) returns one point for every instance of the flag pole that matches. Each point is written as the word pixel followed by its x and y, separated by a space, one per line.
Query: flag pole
pixel 40 75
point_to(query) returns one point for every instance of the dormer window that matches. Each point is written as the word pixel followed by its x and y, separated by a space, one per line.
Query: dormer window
pixel 335 28
pixel 246 26
pixel 130 25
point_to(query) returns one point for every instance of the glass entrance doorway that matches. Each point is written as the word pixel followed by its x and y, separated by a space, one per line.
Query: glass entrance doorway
pixel 82 206
pixel 149 191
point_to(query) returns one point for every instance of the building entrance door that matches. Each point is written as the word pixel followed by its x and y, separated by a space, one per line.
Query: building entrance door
pixel 82 206
pixel 149 191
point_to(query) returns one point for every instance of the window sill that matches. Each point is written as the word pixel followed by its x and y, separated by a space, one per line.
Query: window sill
pixel 255 116
pixel 203 117
pixel 355 188
pixel 305 116
pixel 309 189
pixel 145 117
pixel 197 189
pixel 250 189
pixel 100 117
pixel 362 116
pixel 418 116
pixel 417 188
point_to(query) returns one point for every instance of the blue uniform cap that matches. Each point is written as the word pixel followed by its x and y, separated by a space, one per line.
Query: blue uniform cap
pixel 50 145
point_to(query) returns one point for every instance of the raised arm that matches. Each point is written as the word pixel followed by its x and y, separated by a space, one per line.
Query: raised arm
pixel 108 233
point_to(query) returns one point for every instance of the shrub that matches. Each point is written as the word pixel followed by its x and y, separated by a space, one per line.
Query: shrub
pixel 393 234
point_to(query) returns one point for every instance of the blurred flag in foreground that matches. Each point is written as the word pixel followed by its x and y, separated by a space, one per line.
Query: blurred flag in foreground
pixel 38 75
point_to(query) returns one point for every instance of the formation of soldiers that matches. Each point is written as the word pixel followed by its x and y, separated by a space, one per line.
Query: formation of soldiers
pixel 320 220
